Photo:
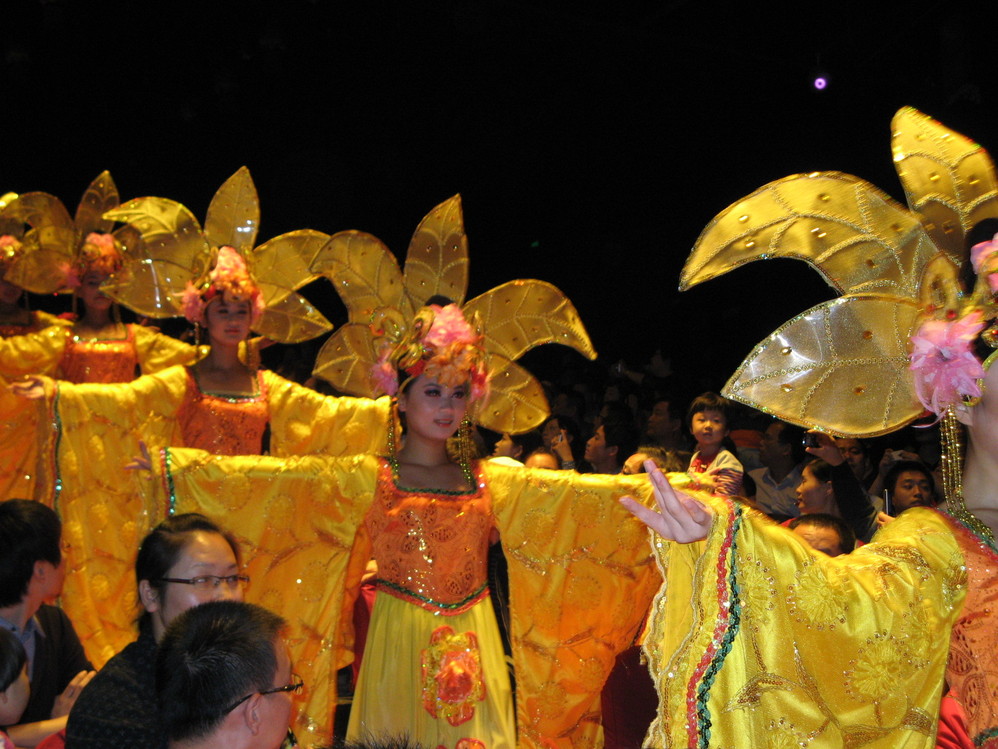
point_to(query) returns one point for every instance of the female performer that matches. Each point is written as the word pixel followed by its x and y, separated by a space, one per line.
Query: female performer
pixel 433 667
pixel 219 403
pixel 783 645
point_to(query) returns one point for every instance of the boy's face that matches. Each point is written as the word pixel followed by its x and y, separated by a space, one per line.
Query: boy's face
pixel 709 428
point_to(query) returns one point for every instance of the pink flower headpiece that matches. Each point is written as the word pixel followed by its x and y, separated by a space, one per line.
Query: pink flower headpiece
pixel 440 344
pixel 946 370
pixel 99 253
pixel 229 280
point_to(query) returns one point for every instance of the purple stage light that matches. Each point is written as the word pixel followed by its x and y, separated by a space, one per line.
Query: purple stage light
pixel 820 82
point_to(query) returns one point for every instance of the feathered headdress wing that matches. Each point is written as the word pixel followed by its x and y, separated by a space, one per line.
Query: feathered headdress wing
pixel 382 301
pixel 175 251
pixel 56 246
pixel 843 365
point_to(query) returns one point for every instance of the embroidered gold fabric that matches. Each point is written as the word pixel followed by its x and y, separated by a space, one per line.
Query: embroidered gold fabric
pixel 581 573
pixel 758 640
pixel 26 440
pixel 516 316
pixel 98 430
pixel 22 444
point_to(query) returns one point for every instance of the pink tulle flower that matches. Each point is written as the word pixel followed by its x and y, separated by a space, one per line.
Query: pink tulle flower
pixel 983 256
pixel 105 242
pixel 191 303
pixel 943 362
pixel 230 280
pixel 8 240
pixel 450 353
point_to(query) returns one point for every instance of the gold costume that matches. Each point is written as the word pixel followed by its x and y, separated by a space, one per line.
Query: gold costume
pixel 759 641
pixel 97 432
pixel 581 572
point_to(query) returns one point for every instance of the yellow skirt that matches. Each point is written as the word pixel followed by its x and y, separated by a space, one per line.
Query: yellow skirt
pixel 440 680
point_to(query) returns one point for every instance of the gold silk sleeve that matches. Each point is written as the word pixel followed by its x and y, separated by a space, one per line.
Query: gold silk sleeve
pixel 23 470
pixel 758 640
pixel 304 422
pixel 581 578
pixel 36 353
pixel 296 520
pixel 96 430
pixel 158 351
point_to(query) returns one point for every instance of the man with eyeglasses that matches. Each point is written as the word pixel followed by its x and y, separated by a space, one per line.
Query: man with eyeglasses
pixel 223 678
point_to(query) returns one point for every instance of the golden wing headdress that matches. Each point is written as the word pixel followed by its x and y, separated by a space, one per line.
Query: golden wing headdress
pixel 175 251
pixel 513 317
pixel 60 249
pixel 843 365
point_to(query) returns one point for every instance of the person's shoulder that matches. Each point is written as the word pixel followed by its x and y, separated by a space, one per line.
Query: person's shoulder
pixel 727 459
pixel 52 618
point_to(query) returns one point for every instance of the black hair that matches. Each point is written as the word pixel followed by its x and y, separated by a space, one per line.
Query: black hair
pixel 163 545
pixel 891 479
pixel 793 435
pixel 621 434
pixel 400 741
pixel 847 538
pixel 709 402
pixel 29 533
pixel 821 470
pixel 211 656
pixel 12 658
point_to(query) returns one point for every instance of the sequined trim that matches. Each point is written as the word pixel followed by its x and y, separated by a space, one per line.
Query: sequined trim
pixel 726 628
pixel 985 543
pixel 985 738
pixel 53 457
pixel 476 470
pixel 166 465
pixel 446 609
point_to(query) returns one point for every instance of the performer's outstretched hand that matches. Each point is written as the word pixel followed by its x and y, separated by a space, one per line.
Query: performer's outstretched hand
pixel 32 388
pixel 680 517
pixel 141 462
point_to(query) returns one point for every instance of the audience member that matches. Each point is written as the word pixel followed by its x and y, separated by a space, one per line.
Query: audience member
pixel 516 447
pixel 663 458
pixel 611 443
pixel 562 437
pixel 781 451
pixel 825 533
pixel 857 455
pixel 223 678
pixel 32 570
pixel 184 561
pixel 14 687
pixel 542 458
pixel 713 467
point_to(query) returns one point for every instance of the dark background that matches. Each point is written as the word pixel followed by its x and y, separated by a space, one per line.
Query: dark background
pixel 590 146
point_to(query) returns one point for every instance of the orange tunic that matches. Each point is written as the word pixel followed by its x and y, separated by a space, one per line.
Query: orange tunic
pixel 224 424
pixel 100 359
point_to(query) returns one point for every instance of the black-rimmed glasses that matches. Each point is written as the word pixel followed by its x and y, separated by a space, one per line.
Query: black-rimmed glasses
pixel 208 582
pixel 295 687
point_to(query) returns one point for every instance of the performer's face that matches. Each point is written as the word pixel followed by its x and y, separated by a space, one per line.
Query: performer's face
pixel 227 322
pixel 432 410
pixel 90 291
